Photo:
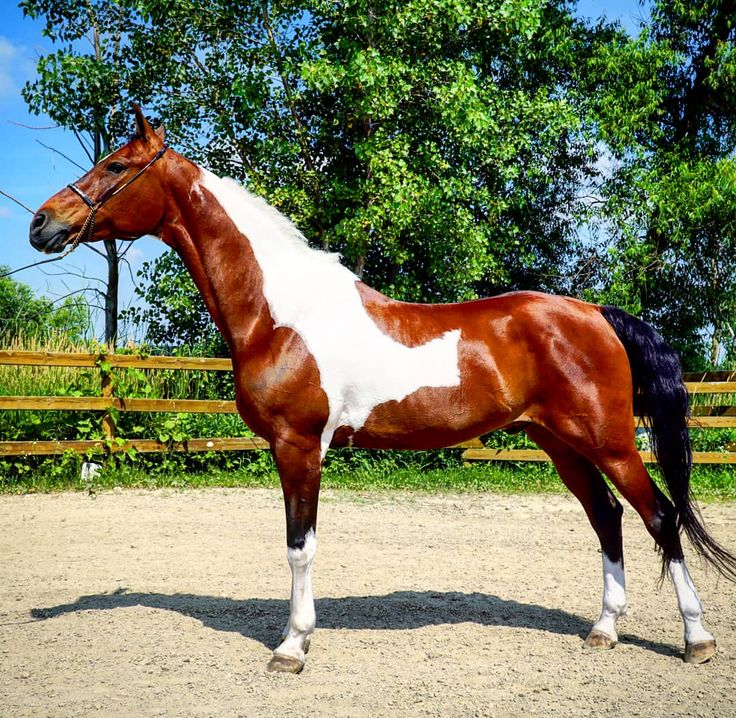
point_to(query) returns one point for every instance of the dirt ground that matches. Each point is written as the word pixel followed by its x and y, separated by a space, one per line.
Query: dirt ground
pixel 169 604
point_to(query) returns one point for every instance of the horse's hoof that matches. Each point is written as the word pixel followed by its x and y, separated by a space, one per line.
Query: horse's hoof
pixel 699 652
pixel 599 641
pixel 285 664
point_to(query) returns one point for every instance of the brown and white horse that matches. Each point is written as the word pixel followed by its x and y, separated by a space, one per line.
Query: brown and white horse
pixel 320 360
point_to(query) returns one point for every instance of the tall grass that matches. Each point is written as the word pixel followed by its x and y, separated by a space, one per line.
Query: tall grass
pixel 19 380
pixel 86 381
pixel 46 380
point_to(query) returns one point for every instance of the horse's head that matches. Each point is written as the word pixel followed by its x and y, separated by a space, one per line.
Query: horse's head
pixel 120 197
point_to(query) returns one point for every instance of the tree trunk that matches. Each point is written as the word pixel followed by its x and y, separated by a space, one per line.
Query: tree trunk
pixel 101 147
pixel 111 293
pixel 359 266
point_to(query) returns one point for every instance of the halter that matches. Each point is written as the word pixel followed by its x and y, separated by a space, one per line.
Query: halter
pixel 88 227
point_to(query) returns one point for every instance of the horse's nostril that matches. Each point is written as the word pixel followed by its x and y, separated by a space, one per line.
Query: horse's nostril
pixel 39 221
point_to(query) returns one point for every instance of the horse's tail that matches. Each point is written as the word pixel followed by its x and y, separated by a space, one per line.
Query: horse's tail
pixel 661 400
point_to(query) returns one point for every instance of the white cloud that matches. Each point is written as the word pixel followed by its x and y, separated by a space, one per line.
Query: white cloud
pixel 8 62
pixel 134 256
pixel 17 65
pixel 5 212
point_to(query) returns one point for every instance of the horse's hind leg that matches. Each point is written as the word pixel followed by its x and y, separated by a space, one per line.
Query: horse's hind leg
pixel 627 472
pixel 299 465
pixel 604 513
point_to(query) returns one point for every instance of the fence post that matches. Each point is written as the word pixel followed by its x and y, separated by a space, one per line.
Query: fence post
pixel 108 422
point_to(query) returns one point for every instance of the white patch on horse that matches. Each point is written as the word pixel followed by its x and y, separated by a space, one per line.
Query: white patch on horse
pixel 312 293
pixel 196 190
pixel 614 597
pixel 302 619
pixel 689 603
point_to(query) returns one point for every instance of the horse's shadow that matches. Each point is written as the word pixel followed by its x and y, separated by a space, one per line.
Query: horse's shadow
pixel 262 619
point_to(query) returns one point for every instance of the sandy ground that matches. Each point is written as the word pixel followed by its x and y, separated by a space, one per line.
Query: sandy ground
pixel 169 604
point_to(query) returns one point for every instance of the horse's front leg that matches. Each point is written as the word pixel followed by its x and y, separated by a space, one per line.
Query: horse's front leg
pixel 300 465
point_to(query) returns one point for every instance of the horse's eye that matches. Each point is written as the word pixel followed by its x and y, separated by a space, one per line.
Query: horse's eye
pixel 115 168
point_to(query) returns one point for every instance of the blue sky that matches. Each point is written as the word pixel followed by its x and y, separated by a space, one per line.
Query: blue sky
pixel 32 173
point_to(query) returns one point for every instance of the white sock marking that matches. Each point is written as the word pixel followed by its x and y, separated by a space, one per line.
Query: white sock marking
pixel 312 293
pixel 302 619
pixel 689 603
pixel 614 597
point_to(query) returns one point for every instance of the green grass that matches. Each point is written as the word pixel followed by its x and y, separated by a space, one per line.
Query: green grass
pixel 708 483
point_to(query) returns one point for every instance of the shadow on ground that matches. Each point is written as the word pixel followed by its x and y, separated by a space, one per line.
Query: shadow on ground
pixel 262 619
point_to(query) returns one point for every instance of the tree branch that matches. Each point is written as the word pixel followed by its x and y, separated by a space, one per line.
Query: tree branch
pixel 126 262
pixel 68 159
pixel 73 292
pixel 124 247
pixel 81 141
pixel 80 274
pixel 17 201
pixel 31 127
pixel 29 266
pixel 94 249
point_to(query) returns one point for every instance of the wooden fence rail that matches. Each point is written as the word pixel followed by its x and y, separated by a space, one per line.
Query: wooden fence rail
pixel 703 416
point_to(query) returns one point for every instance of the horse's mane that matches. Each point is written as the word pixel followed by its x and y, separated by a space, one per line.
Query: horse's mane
pixel 284 227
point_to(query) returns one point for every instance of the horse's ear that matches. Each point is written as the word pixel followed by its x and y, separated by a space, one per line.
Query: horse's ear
pixel 161 132
pixel 142 128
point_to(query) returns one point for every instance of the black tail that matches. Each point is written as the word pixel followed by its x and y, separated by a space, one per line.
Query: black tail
pixel 661 400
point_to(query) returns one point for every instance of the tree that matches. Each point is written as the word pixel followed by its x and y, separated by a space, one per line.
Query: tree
pixel 172 313
pixel 24 315
pixel 84 87
pixel 666 107
pixel 447 149
pixel 438 146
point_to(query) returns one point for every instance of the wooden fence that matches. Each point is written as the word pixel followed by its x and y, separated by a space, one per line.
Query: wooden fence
pixel 705 416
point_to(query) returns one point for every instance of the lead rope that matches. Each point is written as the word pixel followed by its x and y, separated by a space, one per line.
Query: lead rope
pixel 86 231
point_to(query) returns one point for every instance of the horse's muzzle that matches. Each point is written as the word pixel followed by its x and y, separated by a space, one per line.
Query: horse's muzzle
pixel 48 235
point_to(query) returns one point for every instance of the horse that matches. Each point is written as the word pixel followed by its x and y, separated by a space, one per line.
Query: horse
pixel 322 360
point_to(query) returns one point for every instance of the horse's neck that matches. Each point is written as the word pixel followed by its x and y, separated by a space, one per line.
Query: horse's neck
pixel 221 264
pixel 252 267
